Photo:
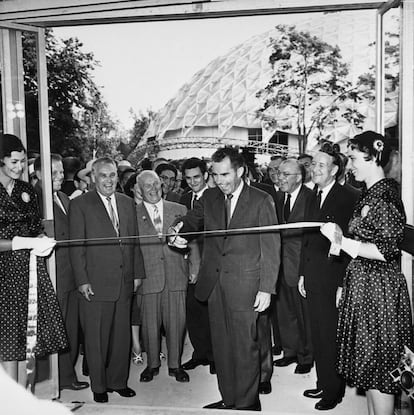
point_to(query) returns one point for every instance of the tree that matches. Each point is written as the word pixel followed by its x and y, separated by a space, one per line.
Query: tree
pixel 72 93
pixel 308 86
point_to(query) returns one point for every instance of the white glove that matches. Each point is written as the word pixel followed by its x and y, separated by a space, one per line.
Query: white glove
pixel 174 239
pixel 41 246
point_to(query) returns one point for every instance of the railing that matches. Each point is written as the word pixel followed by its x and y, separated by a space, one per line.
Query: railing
pixel 256 147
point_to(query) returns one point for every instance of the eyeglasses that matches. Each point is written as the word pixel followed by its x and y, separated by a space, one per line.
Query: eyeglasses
pixel 285 175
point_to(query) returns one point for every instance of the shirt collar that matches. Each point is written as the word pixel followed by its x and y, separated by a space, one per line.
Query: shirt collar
pixel 326 189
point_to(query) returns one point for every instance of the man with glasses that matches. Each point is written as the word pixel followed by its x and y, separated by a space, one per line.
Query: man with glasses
pixel 291 307
pixel 168 175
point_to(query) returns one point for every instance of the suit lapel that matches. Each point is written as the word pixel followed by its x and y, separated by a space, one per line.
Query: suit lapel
pixel 146 226
pixel 241 207
pixel 101 212
pixel 298 206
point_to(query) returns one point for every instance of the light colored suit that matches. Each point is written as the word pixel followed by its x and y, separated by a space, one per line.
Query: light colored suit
pixel 164 289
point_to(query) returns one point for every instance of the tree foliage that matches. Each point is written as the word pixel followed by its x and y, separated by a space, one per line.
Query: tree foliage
pixel 308 86
pixel 74 98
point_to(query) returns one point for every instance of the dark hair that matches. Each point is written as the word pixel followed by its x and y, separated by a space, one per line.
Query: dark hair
pixel 37 164
pixel 304 156
pixel 122 173
pixel 166 166
pixel 146 164
pixel 193 163
pixel 373 145
pixel 8 144
pixel 333 150
pixel 236 158
pixel 129 185
pixel 71 164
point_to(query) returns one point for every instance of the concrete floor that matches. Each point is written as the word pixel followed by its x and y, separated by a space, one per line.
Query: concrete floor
pixel 166 396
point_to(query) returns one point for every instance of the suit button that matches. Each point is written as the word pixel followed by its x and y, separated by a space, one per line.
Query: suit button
pixel 162 259
pixel 217 270
pixel 223 254
pixel 120 266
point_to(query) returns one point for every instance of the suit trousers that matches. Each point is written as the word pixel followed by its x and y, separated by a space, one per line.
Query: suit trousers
pixel 107 332
pixel 69 305
pixel 198 326
pixel 277 342
pixel 166 309
pixel 324 320
pixel 235 349
pixel 294 323
pixel 264 334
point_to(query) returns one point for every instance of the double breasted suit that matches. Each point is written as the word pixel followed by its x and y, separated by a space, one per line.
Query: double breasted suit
pixel 164 289
pixel 292 308
pixel 233 269
pixel 323 275
pixel 110 267
pixel 66 292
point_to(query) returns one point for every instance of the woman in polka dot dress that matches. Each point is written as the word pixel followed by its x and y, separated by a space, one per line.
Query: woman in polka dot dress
pixel 375 316
pixel 20 225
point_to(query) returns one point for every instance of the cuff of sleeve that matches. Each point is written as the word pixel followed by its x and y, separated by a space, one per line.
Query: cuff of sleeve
pixel 351 247
pixel 17 243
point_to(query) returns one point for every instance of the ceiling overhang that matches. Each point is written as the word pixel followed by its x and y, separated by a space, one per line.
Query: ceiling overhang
pixel 54 13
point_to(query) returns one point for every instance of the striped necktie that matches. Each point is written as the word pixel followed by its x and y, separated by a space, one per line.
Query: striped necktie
pixel 112 215
pixel 157 220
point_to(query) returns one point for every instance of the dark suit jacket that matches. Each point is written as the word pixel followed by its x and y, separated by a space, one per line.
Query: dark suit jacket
pixel 323 272
pixel 173 197
pixel 292 239
pixel 65 280
pixel 248 262
pixel 162 263
pixel 104 264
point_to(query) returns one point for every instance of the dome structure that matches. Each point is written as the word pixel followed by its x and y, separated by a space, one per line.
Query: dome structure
pixel 218 105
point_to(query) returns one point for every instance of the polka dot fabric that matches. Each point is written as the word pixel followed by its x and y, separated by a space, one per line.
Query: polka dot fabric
pixel 375 315
pixel 19 216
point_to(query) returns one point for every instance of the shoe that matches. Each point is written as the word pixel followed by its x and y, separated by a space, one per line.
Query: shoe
pixel 193 363
pixel 137 358
pixel 255 407
pixel 124 392
pixel 265 388
pixel 218 405
pixel 180 375
pixel 285 361
pixel 148 374
pixel 313 393
pixel 276 350
pixel 326 405
pixel 303 368
pixel 100 397
pixel 213 368
pixel 75 386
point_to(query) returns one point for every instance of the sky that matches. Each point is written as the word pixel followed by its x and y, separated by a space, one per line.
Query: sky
pixel 143 65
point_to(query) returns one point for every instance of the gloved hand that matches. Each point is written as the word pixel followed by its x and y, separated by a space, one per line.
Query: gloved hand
pixel 40 246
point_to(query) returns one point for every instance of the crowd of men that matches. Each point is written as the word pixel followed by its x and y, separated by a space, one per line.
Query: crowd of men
pixel 241 296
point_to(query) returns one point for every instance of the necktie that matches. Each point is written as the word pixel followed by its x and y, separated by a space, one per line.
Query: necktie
pixel 227 204
pixel 112 215
pixel 286 208
pixel 193 199
pixel 319 199
pixel 157 220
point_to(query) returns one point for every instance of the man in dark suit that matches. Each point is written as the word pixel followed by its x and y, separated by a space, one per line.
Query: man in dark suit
pixel 106 273
pixel 237 276
pixel 292 309
pixel 167 273
pixel 322 275
pixel 65 281
pixel 195 173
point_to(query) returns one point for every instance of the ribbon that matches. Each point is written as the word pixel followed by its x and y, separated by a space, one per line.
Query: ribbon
pixel 31 333
pixel 268 228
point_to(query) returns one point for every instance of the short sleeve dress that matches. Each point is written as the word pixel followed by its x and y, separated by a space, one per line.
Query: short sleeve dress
pixel 375 315
pixel 19 217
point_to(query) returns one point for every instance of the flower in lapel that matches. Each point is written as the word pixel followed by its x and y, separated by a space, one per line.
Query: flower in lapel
pixel 25 197
pixel 364 211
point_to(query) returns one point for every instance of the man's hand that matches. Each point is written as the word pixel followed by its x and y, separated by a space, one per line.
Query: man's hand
pixel 193 278
pixel 301 286
pixel 86 291
pixel 137 283
pixel 262 301
pixel 175 240
pixel 338 296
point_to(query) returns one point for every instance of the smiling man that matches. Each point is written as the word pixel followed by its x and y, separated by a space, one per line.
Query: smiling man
pixel 237 276
pixel 106 274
